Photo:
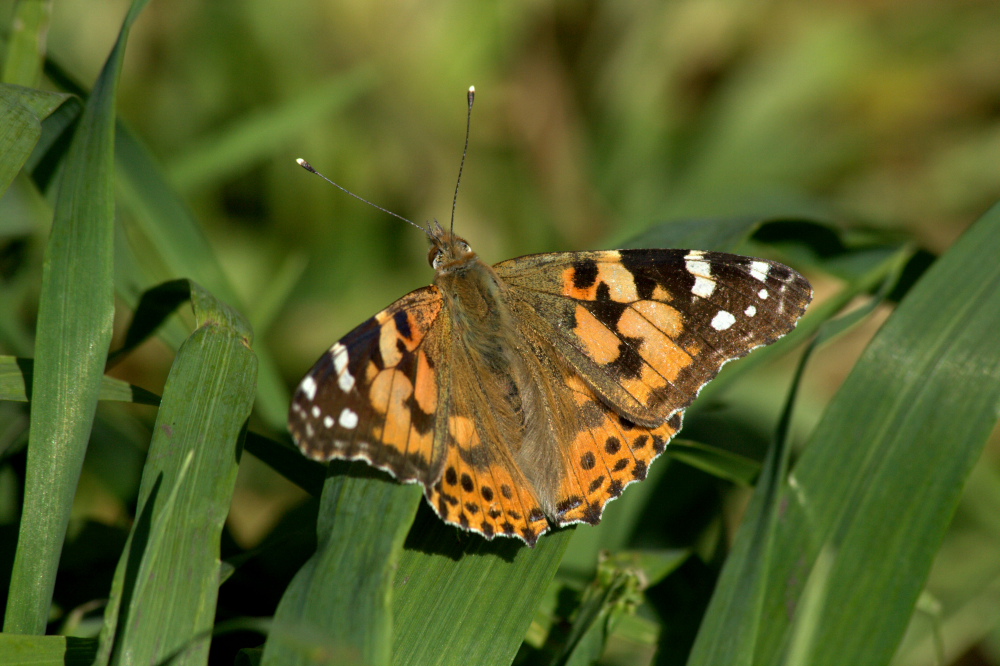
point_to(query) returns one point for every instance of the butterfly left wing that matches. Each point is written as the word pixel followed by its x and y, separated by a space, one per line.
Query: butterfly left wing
pixel 373 395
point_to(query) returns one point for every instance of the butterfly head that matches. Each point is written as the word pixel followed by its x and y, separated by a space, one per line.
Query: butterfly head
pixel 449 253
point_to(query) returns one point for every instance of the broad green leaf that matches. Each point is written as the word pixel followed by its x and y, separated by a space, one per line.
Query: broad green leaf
pixel 717 462
pixel 729 630
pixel 164 593
pixel 75 313
pixel 882 474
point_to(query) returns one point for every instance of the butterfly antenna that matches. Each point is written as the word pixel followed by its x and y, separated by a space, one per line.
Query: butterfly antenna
pixel 308 167
pixel 465 151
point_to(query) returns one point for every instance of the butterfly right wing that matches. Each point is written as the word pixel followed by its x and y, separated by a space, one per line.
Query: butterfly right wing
pixel 373 396
pixel 649 328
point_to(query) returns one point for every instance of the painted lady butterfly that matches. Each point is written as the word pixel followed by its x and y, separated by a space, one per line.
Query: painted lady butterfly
pixel 527 395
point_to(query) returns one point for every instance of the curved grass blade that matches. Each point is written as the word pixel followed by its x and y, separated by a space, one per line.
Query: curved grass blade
pixel 165 220
pixel 75 313
pixel 22 110
pixel 163 596
pixel 883 472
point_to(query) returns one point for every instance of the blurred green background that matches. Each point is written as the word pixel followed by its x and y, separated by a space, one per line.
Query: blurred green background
pixel 593 121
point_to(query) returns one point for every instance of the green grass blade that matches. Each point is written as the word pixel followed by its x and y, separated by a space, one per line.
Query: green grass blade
pixel 22 110
pixel 256 137
pixel 26 42
pixel 337 609
pixel 75 313
pixel 16 376
pixel 164 593
pixel 460 599
pixel 18 650
pixel 882 475
pixel 160 215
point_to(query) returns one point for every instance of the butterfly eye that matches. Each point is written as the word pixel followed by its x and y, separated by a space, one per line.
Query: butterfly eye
pixel 437 260
pixel 464 247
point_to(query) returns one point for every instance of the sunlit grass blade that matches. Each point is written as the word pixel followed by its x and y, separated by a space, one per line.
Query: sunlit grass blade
pixel 885 468
pixel 164 593
pixel 75 313
pixel 338 607
pixel 46 650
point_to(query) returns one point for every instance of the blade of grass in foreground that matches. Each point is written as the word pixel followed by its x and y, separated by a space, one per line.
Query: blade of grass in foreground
pixel 459 599
pixel 728 633
pixel 881 476
pixel 337 608
pixel 75 313
pixel 164 592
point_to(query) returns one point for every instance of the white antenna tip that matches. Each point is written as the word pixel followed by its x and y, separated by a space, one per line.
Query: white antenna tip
pixel 472 89
pixel 301 162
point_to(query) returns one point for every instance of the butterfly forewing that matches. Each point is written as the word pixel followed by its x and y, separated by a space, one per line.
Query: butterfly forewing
pixel 373 395
pixel 648 328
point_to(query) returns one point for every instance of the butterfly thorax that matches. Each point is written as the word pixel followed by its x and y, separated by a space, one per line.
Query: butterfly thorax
pixel 475 300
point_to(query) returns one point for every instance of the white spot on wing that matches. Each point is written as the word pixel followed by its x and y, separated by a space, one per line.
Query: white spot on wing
pixel 308 387
pixel 703 287
pixel 345 380
pixel 328 421
pixel 723 320
pixel 315 412
pixel 702 272
pixel 759 270
pixel 750 311
pixel 348 418
pixel 762 294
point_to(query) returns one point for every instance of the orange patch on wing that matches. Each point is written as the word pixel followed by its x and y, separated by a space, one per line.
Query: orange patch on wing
pixel 425 386
pixel 620 282
pixel 658 349
pixel 419 318
pixel 599 343
pixel 663 316
pixel 388 394
pixel 661 294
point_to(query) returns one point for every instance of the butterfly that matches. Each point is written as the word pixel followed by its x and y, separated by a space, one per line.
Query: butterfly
pixel 526 395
